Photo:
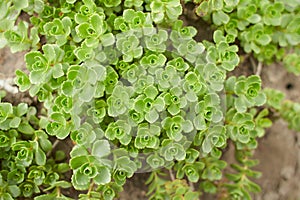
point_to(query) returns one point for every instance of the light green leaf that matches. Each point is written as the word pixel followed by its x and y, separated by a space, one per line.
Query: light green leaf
pixel 107 39
pixel 87 93
pixel 58 71
pixel 220 18
pixel 152 116
pixel 20 4
pixel 207 146
pixel 40 157
pixel 217 4
pixel 103 176
pixel 22 109
pixel 101 148
pixel 264 39
pixel 78 160
pixel 26 128
pixel 14 190
pixel 15 122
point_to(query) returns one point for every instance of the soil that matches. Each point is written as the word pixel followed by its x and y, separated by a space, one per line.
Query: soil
pixel 10 62
pixel 278 151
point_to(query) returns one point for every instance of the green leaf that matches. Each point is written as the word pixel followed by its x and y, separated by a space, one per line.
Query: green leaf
pixel 87 93
pixel 57 71
pixel 111 3
pixel 26 128
pixel 191 172
pixel 45 144
pixel 274 98
pixel 7 196
pixel 20 4
pixel 22 109
pixel 81 179
pixel 109 193
pixel 14 123
pixel 17 39
pixel 218 36
pixel 62 184
pixel 103 176
pixel 155 161
pixel 255 18
pixel 14 190
pixel 217 4
pixel 51 196
pixel 36 61
pixel 54 28
pixel 67 88
pixel 107 39
pixel 101 148
pixel 264 39
pixel 78 161
pixel 207 146
pixel 40 157
pixel 220 17
pixel 15 176
pixel 5 110
pixel 152 116
pixel 22 80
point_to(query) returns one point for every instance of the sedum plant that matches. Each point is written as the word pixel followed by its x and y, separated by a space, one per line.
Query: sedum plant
pixel 126 84
pixel 286 109
pixel 268 29
pixel 28 165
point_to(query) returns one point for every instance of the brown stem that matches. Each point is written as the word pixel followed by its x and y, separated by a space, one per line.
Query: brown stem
pixel 53 147
pixel 171 175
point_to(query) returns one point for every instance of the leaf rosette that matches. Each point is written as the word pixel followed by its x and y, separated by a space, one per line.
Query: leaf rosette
pixel 87 168
pixel 120 130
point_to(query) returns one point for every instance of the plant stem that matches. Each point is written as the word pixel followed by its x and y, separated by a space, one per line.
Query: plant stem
pixel 53 147
pixel 171 175
pixel 91 187
pixel 58 192
pixel 259 68
pixel 191 186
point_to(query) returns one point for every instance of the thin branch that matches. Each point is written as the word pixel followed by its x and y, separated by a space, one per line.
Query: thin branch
pixel 259 68
pixel 53 147
pixel 58 193
pixel 91 188
pixel 256 67
pixel 192 186
pixel 171 175
pixel 253 64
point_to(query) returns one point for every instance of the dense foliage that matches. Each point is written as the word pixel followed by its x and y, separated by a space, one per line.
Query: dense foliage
pixel 268 29
pixel 130 87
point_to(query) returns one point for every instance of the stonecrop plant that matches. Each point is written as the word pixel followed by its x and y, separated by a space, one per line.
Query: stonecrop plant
pixel 126 84
pixel 28 164
pixel 267 28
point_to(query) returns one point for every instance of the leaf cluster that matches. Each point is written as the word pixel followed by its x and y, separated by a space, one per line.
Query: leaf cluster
pixel 268 29
pixel 129 85
pixel 27 168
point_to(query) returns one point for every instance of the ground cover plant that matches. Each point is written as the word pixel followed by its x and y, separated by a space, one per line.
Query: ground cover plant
pixel 127 83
